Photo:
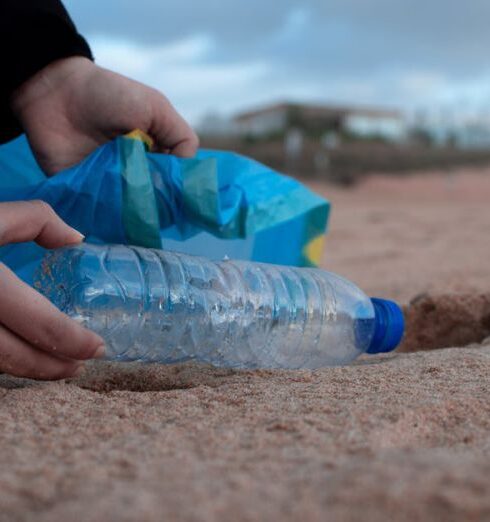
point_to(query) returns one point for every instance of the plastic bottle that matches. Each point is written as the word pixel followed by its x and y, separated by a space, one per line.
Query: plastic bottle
pixel 158 306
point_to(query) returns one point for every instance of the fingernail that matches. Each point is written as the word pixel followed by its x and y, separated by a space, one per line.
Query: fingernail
pixel 79 371
pixel 100 352
pixel 81 237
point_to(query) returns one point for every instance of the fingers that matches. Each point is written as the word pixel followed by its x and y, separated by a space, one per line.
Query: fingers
pixel 38 322
pixel 170 131
pixel 21 360
pixel 36 339
pixel 34 221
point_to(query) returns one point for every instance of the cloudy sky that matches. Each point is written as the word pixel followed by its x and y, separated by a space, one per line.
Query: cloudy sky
pixel 227 55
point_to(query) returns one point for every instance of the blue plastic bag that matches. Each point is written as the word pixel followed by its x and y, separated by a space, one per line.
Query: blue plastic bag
pixel 216 204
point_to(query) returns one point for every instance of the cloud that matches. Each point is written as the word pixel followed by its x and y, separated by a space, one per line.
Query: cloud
pixel 177 70
pixel 137 59
pixel 230 54
pixel 351 33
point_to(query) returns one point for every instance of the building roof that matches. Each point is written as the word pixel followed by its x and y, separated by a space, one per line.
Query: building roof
pixel 317 111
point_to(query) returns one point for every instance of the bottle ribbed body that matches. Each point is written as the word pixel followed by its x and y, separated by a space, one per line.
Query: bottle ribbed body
pixel 159 306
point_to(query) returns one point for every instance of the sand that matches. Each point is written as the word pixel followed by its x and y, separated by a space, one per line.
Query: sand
pixel 399 437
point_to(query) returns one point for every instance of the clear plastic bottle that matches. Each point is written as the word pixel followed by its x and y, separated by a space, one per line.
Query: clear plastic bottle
pixel 158 306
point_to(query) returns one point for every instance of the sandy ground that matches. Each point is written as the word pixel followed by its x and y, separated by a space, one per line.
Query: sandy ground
pixel 402 237
pixel 403 437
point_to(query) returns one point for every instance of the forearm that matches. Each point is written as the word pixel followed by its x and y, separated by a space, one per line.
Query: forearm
pixel 33 34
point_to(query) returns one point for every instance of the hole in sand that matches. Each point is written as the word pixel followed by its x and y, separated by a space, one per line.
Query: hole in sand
pixel 442 321
pixel 108 377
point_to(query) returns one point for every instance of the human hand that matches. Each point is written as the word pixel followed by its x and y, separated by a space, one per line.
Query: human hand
pixel 72 106
pixel 36 339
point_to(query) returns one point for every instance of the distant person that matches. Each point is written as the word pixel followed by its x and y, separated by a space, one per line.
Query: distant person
pixel 51 90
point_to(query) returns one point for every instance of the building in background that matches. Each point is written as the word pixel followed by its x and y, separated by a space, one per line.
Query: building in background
pixel 375 123
pixel 332 124
pixel 215 124
pixel 321 119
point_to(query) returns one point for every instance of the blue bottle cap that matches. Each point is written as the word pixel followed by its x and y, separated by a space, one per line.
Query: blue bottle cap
pixel 389 326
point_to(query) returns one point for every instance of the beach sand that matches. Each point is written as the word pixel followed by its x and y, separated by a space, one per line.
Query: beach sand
pixel 402 437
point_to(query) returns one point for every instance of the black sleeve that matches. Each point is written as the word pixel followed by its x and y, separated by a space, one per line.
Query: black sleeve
pixel 33 33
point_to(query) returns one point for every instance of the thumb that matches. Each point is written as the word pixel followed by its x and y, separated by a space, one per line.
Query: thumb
pixel 170 131
pixel 35 221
